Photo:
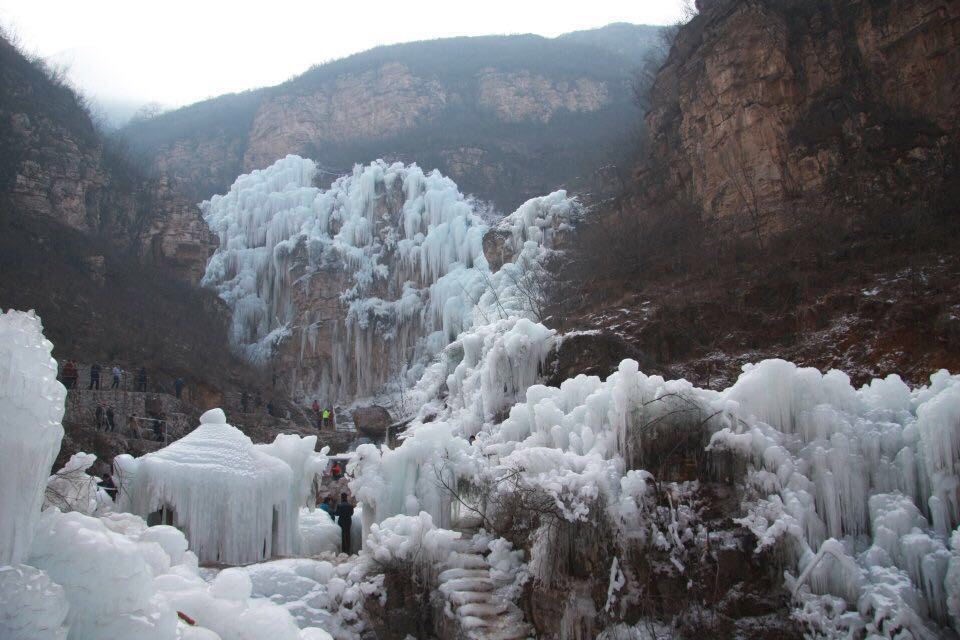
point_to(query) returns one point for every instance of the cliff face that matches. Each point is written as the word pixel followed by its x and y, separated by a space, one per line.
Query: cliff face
pixel 57 166
pixel 767 108
pixel 508 117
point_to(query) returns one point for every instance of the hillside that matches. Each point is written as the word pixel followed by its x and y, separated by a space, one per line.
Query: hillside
pixel 106 254
pixel 507 117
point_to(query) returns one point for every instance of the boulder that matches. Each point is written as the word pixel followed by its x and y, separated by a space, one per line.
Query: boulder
pixel 372 421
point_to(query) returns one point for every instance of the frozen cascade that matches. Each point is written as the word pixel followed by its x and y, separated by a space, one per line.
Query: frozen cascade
pixel 369 278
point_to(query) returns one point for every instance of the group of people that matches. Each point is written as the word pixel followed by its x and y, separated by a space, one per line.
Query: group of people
pixel 70 376
pixel 322 416
pixel 105 418
pixel 342 513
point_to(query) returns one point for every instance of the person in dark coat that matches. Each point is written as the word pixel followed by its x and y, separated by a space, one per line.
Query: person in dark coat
pixel 345 520
pixel 111 425
pixel 70 375
pixel 98 416
pixel 95 376
pixel 178 386
pixel 106 482
pixel 142 379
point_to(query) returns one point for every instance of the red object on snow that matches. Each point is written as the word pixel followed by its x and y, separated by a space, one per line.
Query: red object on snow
pixel 190 621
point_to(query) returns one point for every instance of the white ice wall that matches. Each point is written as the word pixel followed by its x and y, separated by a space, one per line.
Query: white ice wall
pixel 31 407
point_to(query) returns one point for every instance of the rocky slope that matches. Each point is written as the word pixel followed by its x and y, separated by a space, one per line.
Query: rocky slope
pixel 507 117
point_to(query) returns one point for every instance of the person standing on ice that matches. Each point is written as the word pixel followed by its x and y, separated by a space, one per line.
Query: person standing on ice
pixel 116 377
pixel 178 386
pixel 98 417
pixel 111 425
pixel 94 376
pixel 345 520
pixel 316 414
pixel 326 417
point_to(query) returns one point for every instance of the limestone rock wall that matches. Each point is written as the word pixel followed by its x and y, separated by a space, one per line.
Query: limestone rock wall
pixel 766 106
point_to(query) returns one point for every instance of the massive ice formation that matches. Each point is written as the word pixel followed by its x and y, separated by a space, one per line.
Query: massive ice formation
pixel 31 407
pixel 859 489
pixel 369 278
pixel 236 501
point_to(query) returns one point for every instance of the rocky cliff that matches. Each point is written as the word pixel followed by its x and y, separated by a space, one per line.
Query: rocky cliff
pixel 768 110
pixel 105 253
pixel 797 195
pixel 58 166
pixel 507 117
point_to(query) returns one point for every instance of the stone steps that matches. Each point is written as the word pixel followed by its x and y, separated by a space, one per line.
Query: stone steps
pixel 472 600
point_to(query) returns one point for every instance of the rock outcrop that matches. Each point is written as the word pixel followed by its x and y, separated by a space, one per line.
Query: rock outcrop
pixel 768 109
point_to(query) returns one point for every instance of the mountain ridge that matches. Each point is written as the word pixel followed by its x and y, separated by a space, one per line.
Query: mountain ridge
pixel 509 117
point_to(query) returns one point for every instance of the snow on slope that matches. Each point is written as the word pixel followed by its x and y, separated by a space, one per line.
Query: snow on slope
pixel 407 245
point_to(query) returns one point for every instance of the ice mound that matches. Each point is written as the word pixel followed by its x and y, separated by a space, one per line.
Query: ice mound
pixel 71 488
pixel 32 607
pixel 31 403
pixel 237 502
pixel 107 581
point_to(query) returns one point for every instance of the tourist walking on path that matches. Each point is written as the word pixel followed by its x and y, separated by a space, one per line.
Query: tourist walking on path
pixel 98 417
pixel 70 374
pixel 326 417
pixel 345 520
pixel 94 376
pixel 111 425
pixel 117 372
pixel 178 386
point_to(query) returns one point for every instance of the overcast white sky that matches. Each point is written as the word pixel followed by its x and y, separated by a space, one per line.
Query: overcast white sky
pixel 179 51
